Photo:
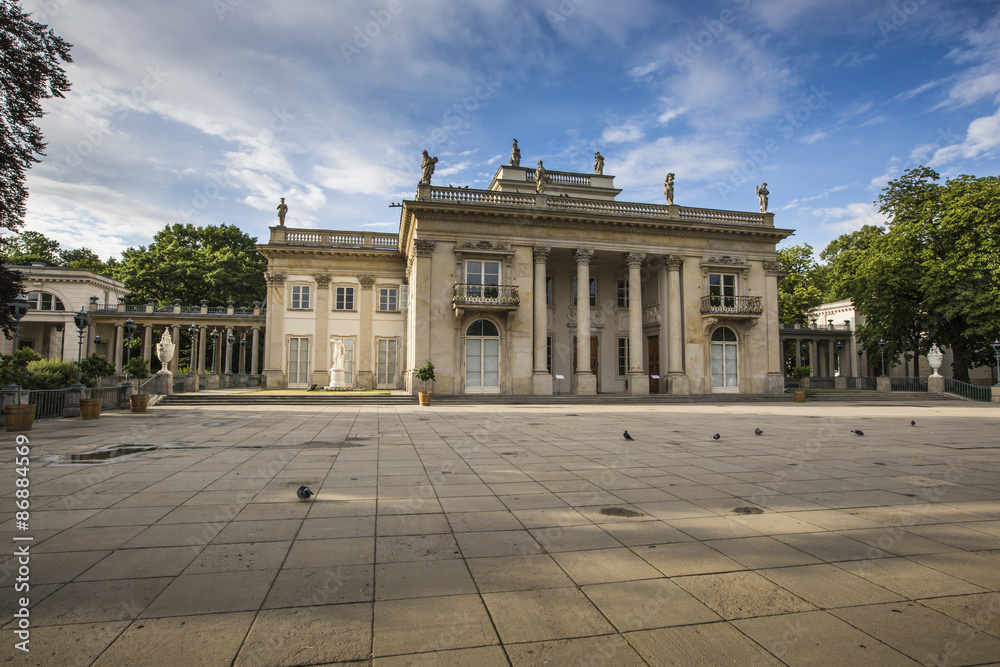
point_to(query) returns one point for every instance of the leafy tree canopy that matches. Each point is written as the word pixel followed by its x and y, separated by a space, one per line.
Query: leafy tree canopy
pixel 191 263
pixel 803 285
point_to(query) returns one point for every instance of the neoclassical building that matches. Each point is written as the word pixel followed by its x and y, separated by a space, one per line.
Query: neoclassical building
pixel 528 288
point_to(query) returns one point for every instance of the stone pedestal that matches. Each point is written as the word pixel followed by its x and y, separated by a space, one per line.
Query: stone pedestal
pixel 212 381
pixel 776 383
pixel 935 384
pixel 638 384
pixel 883 384
pixel 164 383
pixel 337 379
pixel 71 408
pixel 840 382
pixel 996 394
pixel 586 383
pixel 274 379
pixel 541 384
pixel 191 382
pixel 677 385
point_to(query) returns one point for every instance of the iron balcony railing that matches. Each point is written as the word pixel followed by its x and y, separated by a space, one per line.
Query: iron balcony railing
pixel 732 305
pixel 971 391
pixel 503 296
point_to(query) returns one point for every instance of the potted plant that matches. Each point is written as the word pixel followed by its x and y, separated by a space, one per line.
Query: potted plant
pixel 801 373
pixel 138 369
pixel 425 374
pixel 19 416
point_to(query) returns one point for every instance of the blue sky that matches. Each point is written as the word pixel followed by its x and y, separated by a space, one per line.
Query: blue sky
pixel 208 111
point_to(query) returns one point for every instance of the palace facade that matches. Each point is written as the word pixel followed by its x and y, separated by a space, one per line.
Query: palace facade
pixel 520 289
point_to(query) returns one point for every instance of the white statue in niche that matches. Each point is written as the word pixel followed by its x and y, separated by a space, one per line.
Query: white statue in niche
pixel 165 349
pixel 337 371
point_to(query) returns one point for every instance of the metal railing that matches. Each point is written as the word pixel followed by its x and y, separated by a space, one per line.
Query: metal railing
pixel 49 403
pixel 147 386
pixel 112 398
pixel 822 383
pixel 731 305
pixel 862 382
pixel 485 295
pixel 907 384
pixel 973 392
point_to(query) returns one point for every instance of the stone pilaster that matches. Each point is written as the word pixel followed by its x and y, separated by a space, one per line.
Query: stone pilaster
pixel 364 368
pixel 775 355
pixel 175 334
pixel 254 354
pixel 119 346
pixel 147 343
pixel 541 378
pixel 638 381
pixel 321 355
pixel 274 353
pixel 419 266
pixel 585 380
pixel 677 380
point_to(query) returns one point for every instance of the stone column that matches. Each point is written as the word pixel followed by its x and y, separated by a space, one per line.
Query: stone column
pixel 638 381
pixel 240 337
pixel 661 291
pixel 541 377
pixel 364 369
pixel 119 346
pixel 175 333
pixel 228 369
pixel 798 351
pixel 202 338
pixel 147 343
pixel 831 355
pixel 274 347
pixel 677 381
pixel 321 306
pixel 813 358
pixel 419 266
pixel 775 353
pixel 254 360
pixel 586 381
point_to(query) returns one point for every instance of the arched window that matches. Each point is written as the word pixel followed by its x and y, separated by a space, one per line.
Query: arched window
pixel 482 358
pixel 44 301
pixel 725 354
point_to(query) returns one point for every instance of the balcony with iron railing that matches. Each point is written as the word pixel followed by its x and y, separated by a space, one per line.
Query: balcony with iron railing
pixel 485 297
pixel 732 306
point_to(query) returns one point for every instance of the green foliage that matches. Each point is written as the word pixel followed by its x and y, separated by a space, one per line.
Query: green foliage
pixel 50 374
pixel 94 367
pixel 13 367
pixel 425 373
pixel 803 285
pixel 800 372
pixel 29 246
pixel 85 258
pixel 190 263
pixel 138 369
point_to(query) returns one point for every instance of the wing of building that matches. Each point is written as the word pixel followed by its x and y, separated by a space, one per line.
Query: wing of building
pixel 486 284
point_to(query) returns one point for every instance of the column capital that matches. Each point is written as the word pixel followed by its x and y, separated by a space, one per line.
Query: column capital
pixel 541 253
pixel 367 282
pixel 272 278
pixel 673 262
pixel 423 247
pixel 771 268
pixel 583 255
pixel 322 280
pixel 634 259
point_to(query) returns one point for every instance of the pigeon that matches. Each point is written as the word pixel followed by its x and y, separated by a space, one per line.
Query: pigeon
pixel 758 431
pixel 304 492
pixel 716 436
pixel 627 436
pixel 913 422
pixel 858 431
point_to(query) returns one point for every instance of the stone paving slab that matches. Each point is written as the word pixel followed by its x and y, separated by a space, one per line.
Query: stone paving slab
pixel 513 535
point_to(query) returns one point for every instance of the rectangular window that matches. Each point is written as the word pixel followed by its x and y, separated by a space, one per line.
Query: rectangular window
pixel 622 356
pixel 622 293
pixel 298 361
pixel 593 292
pixel 300 297
pixel 548 290
pixel 722 289
pixel 387 300
pixel 386 362
pixel 345 298
pixel 481 278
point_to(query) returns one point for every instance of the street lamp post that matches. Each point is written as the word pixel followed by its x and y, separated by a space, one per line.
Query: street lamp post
pixel 129 331
pixel 194 332
pixel 860 352
pixel 996 353
pixel 230 339
pixel 840 349
pixel 215 337
pixel 243 354
pixel 881 349
pixel 18 309
pixel 81 320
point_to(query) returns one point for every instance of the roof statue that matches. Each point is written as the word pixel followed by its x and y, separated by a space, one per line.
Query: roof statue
pixel 668 188
pixel 598 163
pixel 541 177
pixel 427 164
pixel 282 210
pixel 515 155
pixel 762 194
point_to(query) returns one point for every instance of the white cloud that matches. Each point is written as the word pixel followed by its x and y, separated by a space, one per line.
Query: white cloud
pixel 849 218
pixel 643 70
pixel 823 195
pixel 813 138
pixel 622 133
pixel 981 139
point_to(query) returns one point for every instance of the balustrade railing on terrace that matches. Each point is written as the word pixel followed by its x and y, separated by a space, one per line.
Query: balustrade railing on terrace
pixel 334 238
pixel 731 305
pixel 971 391
pixel 485 295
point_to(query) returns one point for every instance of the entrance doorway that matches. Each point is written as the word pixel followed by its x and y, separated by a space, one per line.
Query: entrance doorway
pixel 724 360
pixel 482 358
pixel 653 367
pixel 593 359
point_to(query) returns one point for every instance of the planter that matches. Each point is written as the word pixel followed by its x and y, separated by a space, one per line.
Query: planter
pixel 139 402
pixel 424 397
pixel 800 396
pixel 19 417
pixel 90 408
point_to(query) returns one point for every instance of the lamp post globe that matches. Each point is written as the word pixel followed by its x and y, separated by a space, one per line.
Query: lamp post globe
pixel 860 352
pixel 82 321
pixel 881 349
pixel 194 332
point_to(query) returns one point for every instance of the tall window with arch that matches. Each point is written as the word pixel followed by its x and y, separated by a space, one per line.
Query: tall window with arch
pixel 725 356
pixel 482 358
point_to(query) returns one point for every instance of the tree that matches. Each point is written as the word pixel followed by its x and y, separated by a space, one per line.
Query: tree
pixel 85 258
pixel 803 285
pixel 28 247
pixel 30 71
pixel 190 263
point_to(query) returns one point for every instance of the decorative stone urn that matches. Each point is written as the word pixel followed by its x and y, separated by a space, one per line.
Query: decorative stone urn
pixel 934 358
pixel 165 350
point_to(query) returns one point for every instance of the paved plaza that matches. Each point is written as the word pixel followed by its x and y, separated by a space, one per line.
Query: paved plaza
pixel 526 535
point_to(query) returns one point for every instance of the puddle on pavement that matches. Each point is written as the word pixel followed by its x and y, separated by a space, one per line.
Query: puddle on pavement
pixel 620 511
pixel 107 454
pixel 748 510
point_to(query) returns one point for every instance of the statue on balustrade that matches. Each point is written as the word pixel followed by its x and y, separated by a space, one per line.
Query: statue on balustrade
pixel 515 155
pixel 282 210
pixel 541 177
pixel 427 164
pixel 762 194
pixel 598 163
pixel 668 188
